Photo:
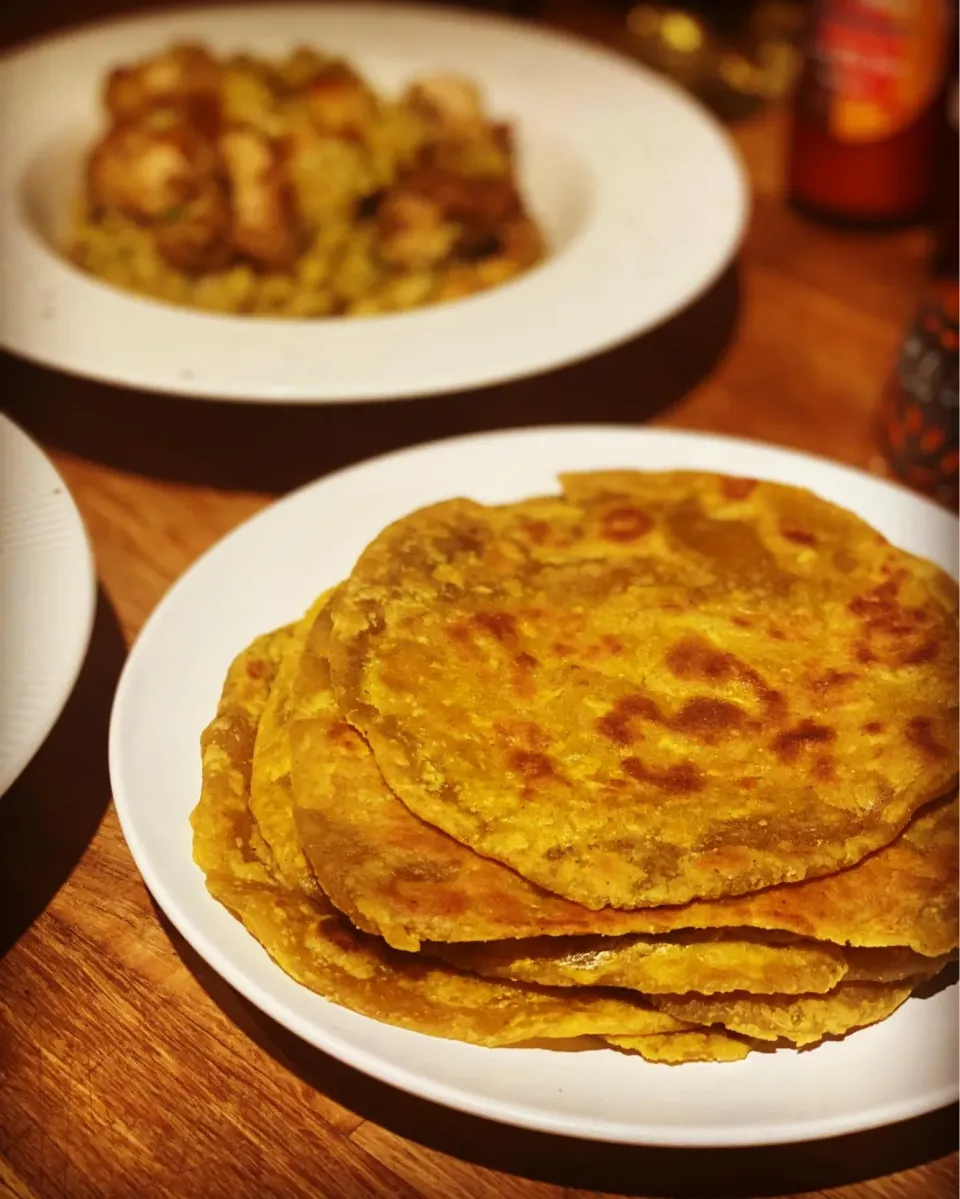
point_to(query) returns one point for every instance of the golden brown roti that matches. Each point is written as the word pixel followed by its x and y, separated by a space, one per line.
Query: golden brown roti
pixel 407 881
pixel 896 964
pixel 319 948
pixel 802 1019
pixel 675 1048
pixel 708 964
pixel 659 688
pixel 673 965
pixel 270 800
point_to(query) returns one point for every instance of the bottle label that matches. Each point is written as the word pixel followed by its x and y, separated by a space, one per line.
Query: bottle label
pixel 880 63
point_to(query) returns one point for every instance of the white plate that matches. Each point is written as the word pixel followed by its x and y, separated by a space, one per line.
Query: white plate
pixel 638 188
pixel 264 574
pixel 47 598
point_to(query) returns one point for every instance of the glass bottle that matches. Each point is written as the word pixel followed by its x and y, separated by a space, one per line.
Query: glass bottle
pixel 868 109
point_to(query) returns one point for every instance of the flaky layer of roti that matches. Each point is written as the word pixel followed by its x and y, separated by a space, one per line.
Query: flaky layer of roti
pixel 902 895
pixel 897 964
pixel 318 947
pixel 676 1048
pixel 404 879
pixel 270 800
pixel 656 688
pixel 707 964
pixel 801 1019
pixel 676 964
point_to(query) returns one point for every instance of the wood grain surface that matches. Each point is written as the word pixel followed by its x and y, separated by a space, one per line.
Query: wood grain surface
pixel 127 1067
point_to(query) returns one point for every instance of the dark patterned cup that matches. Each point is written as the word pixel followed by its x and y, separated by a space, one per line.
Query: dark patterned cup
pixel 918 425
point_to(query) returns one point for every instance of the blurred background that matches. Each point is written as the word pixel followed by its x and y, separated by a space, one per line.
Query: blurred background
pixel 733 52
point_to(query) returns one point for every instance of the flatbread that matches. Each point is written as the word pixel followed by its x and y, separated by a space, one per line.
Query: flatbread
pixel 270 800
pixel 897 964
pixel 902 895
pixel 401 878
pixel 675 964
pixel 319 948
pixel 657 688
pixel 801 1019
pixel 708 964
pixel 676 1048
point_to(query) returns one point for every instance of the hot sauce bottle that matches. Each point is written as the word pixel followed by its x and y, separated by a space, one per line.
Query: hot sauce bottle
pixel 868 110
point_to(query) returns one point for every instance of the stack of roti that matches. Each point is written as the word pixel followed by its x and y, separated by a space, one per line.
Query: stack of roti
pixel 668 759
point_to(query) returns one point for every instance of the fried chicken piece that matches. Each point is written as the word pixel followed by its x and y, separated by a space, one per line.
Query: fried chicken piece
pixel 490 201
pixel 513 247
pixel 265 226
pixel 196 237
pixel 302 67
pixel 251 94
pixel 340 103
pixel 459 137
pixel 480 157
pixel 146 172
pixel 185 76
pixel 417 217
pixel 413 232
pixel 448 104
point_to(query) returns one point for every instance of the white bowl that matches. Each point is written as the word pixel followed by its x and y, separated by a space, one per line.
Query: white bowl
pixel 639 190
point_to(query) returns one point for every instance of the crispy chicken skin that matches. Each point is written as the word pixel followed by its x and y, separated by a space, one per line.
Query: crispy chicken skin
pixel 302 66
pixel 449 104
pixel 413 230
pixel 196 237
pixel 145 173
pixel 264 221
pixel 481 208
pixel 340 103
pixel 185 75
pixel 483 200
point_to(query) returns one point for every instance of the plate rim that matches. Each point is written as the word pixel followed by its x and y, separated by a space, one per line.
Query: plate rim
pixel 382 1069
pixel 86 604
pixel 213 384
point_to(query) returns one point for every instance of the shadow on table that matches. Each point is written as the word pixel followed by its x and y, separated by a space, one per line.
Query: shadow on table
pixel 50 814
pixel 273 448
pixel 567 1162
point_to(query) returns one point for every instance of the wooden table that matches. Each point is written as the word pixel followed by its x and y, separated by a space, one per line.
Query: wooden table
pixel 127 1067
